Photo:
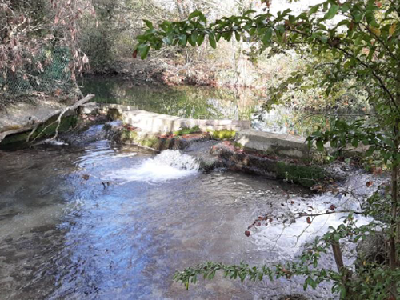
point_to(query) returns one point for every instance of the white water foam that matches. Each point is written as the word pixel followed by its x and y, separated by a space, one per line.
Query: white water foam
pixel 287 239
pixel 170 164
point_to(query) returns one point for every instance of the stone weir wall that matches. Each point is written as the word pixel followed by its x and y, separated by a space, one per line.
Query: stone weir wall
pixel 147 125
pixel 153 123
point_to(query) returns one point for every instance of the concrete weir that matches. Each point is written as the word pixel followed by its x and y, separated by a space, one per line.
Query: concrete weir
pixel 153 123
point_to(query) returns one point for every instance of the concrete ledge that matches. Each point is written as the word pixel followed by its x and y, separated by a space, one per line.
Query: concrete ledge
pixel 280 144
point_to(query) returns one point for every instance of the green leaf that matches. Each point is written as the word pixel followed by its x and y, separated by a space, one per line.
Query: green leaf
pixel 266 39
pixel 182 40
pixel 237 36
pixel 195 14
pixel 370 151
pixel 314 9
pixel 336 237
pixel 213 43
pixel 332 11
pixel 355 142
pixel 200 39
pixel 143 50
pixel 320 145
pixel 249 12
pixel 148 24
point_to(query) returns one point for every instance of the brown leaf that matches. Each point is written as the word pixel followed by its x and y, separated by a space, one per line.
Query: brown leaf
pixel 247 233
pixel 369 183
pixel 332 207
pixel 308 219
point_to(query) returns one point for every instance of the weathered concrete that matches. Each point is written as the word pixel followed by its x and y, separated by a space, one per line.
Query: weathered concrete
pixel 280 144
pixel 160 123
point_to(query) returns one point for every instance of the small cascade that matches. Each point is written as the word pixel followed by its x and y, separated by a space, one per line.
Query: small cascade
pixel 176 159
pixel 170 164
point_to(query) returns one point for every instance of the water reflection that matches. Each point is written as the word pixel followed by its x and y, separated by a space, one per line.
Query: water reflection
pixel 188 102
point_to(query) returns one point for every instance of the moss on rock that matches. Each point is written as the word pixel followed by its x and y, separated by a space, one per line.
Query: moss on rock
pixel 223 134
pixel 301 174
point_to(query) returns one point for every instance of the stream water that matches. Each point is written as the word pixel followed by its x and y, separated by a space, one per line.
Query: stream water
pixel 105 223
pixel 66 235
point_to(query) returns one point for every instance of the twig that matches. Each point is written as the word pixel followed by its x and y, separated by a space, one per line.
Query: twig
pixel 76 105
pixel 32 132
pixel 330 212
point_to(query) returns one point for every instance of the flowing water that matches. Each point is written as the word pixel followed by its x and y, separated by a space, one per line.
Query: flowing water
pixel 105 223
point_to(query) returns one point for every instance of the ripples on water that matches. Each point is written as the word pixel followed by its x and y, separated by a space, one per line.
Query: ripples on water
pixel 67 234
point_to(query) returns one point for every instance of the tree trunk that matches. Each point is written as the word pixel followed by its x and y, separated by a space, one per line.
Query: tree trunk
pixel 346 273
pixel 394 225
